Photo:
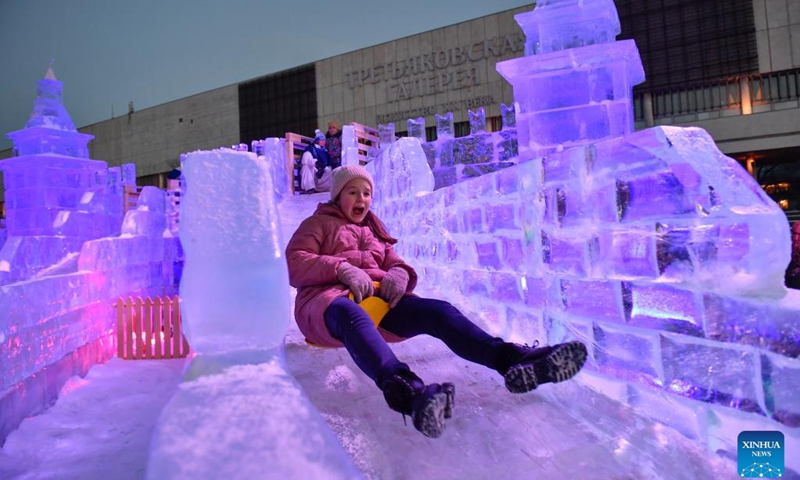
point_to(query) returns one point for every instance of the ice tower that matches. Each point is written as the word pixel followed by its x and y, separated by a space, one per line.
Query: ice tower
pixel 579 87
pixel 54 193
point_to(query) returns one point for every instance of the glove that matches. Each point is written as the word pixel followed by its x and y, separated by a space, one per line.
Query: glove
pixel 393 286
pixel 357 281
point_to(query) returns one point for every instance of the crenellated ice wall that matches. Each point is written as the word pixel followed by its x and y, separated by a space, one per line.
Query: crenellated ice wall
pixel 654 248
pixel 452 159
pixel 677 289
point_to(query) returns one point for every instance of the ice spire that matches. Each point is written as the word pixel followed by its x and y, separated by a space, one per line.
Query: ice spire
pixel 48 108
pixel 50 128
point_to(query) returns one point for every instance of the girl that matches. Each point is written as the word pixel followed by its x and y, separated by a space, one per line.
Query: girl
pixel 342 249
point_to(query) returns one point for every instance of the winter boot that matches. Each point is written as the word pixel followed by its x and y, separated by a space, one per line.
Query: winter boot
pixel 525 368
pixel 428 405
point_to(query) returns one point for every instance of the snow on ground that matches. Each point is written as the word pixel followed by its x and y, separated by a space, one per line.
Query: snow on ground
pixel 101 426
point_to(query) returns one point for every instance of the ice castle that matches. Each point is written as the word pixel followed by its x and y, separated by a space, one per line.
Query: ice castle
pixel 652 247
pixel 68 255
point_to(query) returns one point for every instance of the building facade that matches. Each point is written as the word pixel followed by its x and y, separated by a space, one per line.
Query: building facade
pixel 731 67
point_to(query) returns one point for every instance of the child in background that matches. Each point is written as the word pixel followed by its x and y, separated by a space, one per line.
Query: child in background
pixel 313 165
pixel 342 249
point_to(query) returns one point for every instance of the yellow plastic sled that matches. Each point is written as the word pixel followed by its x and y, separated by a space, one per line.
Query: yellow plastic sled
pixel 375 307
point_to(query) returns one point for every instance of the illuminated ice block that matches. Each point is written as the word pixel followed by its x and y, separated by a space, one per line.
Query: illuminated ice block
pixel 444 126
pixel 149 218
pixel 508 114
pixel 386 134
pixel 349 146
pixel 273 152
pixel 235 285
pixel 54 195
pixel 477 121
pixel 416 128
pixel 402 171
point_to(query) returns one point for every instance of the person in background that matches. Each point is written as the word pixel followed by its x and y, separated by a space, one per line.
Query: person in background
pixel 334 141
pixel 313 165
pixel 341 250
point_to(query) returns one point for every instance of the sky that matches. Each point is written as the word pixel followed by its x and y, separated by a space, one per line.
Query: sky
pixel 111 52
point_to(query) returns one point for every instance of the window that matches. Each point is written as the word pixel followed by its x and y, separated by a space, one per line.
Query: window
pixel 430 134
pixel 460 129
pixel 689 42
pixel 156 180
pixel 273 105
pixel 494 124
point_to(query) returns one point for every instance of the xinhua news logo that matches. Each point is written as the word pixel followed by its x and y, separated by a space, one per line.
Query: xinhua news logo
pixel 761 454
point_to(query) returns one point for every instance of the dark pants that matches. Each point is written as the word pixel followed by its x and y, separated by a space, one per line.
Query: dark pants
pixel 412 316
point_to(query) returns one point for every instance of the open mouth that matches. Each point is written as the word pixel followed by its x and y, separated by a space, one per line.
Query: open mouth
pixel 358 211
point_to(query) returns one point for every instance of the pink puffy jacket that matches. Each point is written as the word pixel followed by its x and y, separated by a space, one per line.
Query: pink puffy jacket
pixel 321 243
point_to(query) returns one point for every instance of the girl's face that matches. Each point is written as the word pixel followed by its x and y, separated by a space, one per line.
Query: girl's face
pixel 355 199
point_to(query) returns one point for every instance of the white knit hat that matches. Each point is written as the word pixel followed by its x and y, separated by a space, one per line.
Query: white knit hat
pixel 344 174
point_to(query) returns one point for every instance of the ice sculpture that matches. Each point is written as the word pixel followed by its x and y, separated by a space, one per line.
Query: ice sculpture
pixel 50 128
pixel 575 89
pixel 235 287
pixel 236 310
pixel 556 25
pixel 64 263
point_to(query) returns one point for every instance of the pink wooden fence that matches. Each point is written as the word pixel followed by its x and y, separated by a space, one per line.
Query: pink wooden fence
pixel 150 329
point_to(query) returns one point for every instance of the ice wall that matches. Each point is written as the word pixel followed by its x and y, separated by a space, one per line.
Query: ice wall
pixel 682 308
pixel 62 322
pixel 652 247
